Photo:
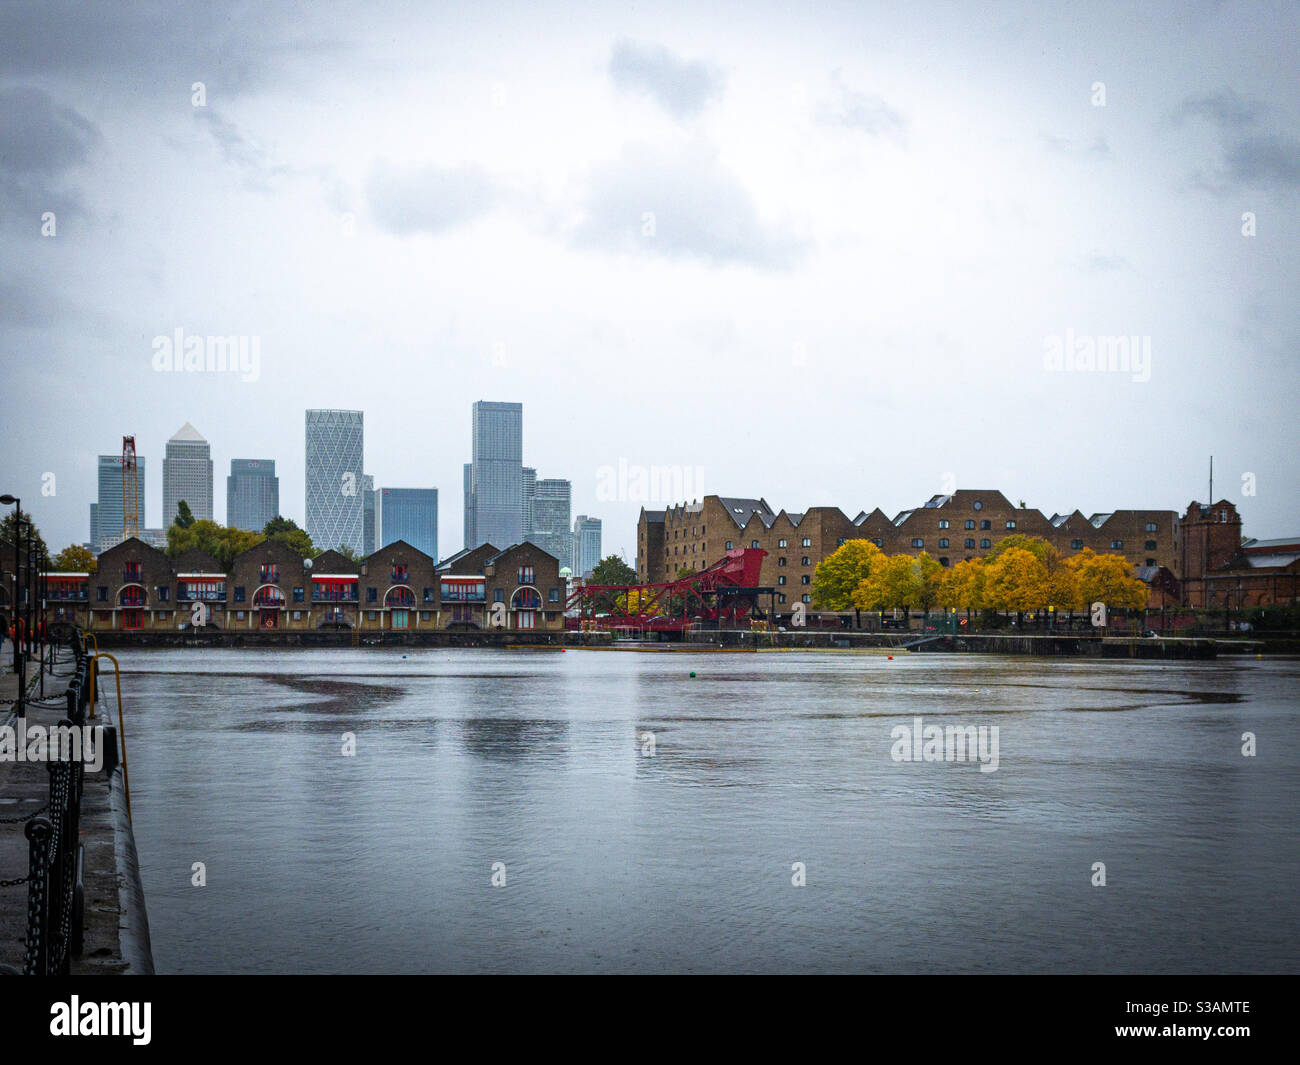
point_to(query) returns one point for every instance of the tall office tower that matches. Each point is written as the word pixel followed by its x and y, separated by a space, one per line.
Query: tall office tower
pixel 494 479
pixel 469 531
pixel 252 494
pixel 529 494
pixel 335 455
pixel 552 531
pixel 93 543
pixel 586 545
pixel 187 475
pixel 369 516
pixel 107 513
pixel 409 514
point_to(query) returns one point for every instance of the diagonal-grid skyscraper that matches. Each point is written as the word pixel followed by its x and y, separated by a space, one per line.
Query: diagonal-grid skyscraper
pixel 335 452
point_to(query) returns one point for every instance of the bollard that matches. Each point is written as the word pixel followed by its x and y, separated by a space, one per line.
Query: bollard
pixel 110 749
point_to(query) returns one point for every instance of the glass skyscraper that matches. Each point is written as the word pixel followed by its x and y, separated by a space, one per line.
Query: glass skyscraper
pixel 334 482
pixel 187 475
pixel 494 511
pixel 369 515
pixel 551 530
pixel 252 494
pixel 586 545
pixel 409 514
pixel 106 514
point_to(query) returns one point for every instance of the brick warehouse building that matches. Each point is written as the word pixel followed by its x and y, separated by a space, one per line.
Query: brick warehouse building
pixel 398 588
pixel 1220 570
pixel 964 525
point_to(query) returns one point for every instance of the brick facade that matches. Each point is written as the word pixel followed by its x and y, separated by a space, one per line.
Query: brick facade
pixel 964 525
pixel 269 586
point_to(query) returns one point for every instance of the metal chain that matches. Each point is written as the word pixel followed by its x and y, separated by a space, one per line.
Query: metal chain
pixel 14 882
pixel 24 817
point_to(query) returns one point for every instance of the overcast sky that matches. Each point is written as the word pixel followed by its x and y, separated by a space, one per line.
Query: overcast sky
pixel 819 251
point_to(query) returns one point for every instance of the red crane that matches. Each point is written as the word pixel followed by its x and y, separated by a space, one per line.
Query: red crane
pixel 726 590
pixel 130 490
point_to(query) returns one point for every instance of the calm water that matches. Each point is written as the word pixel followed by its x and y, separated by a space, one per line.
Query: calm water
pixel 614 861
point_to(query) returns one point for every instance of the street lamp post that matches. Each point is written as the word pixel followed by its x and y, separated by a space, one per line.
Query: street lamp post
pixel 20 663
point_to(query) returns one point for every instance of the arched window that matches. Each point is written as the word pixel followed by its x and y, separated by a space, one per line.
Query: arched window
pixel 268 597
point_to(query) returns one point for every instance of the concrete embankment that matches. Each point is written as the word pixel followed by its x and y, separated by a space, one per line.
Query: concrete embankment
pixel 1042 646
pixel 312 638
pixel 1045 645
pixel 115 937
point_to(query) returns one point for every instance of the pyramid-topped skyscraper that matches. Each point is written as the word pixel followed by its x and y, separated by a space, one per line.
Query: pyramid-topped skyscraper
pixel 187 475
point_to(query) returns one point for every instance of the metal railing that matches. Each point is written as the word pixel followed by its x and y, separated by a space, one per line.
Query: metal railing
pixel 56 857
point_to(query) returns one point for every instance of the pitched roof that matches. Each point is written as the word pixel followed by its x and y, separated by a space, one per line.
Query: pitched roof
pixel 187 432
pixel 742 509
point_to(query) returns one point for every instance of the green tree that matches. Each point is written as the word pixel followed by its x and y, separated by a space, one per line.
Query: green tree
pixel 287 531
pixel 609 570
pixel 221 542
pixel 343 549
pixel 184 516
pixel 9 531
pixel 75 559
pixel 613 570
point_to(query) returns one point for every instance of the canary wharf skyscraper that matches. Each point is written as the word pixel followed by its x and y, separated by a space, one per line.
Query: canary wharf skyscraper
pixel 494 505
pixel 335 453
pixel 252 494
pixel 187 475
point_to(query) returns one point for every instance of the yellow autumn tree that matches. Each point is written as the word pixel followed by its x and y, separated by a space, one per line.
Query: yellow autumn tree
pixel 896 581
pixel 838 575
pixel 1106 579
pixel 1015 581
pixel 962 586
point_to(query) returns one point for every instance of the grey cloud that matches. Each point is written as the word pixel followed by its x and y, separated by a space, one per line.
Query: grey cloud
pixel 26 303
pixel 40 141
pixel 693 207
pixel 1250 157
pixel 1264 160
pixel 1225 109
pixel 148 45
pixel 40 136
pixel 863 112
pixel 681 87
pixel 429 199
pixel 239 149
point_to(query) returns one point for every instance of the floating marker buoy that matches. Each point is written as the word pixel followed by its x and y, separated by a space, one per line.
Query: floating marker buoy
pixel 692 672
pixel 891 658
pixel 403 656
